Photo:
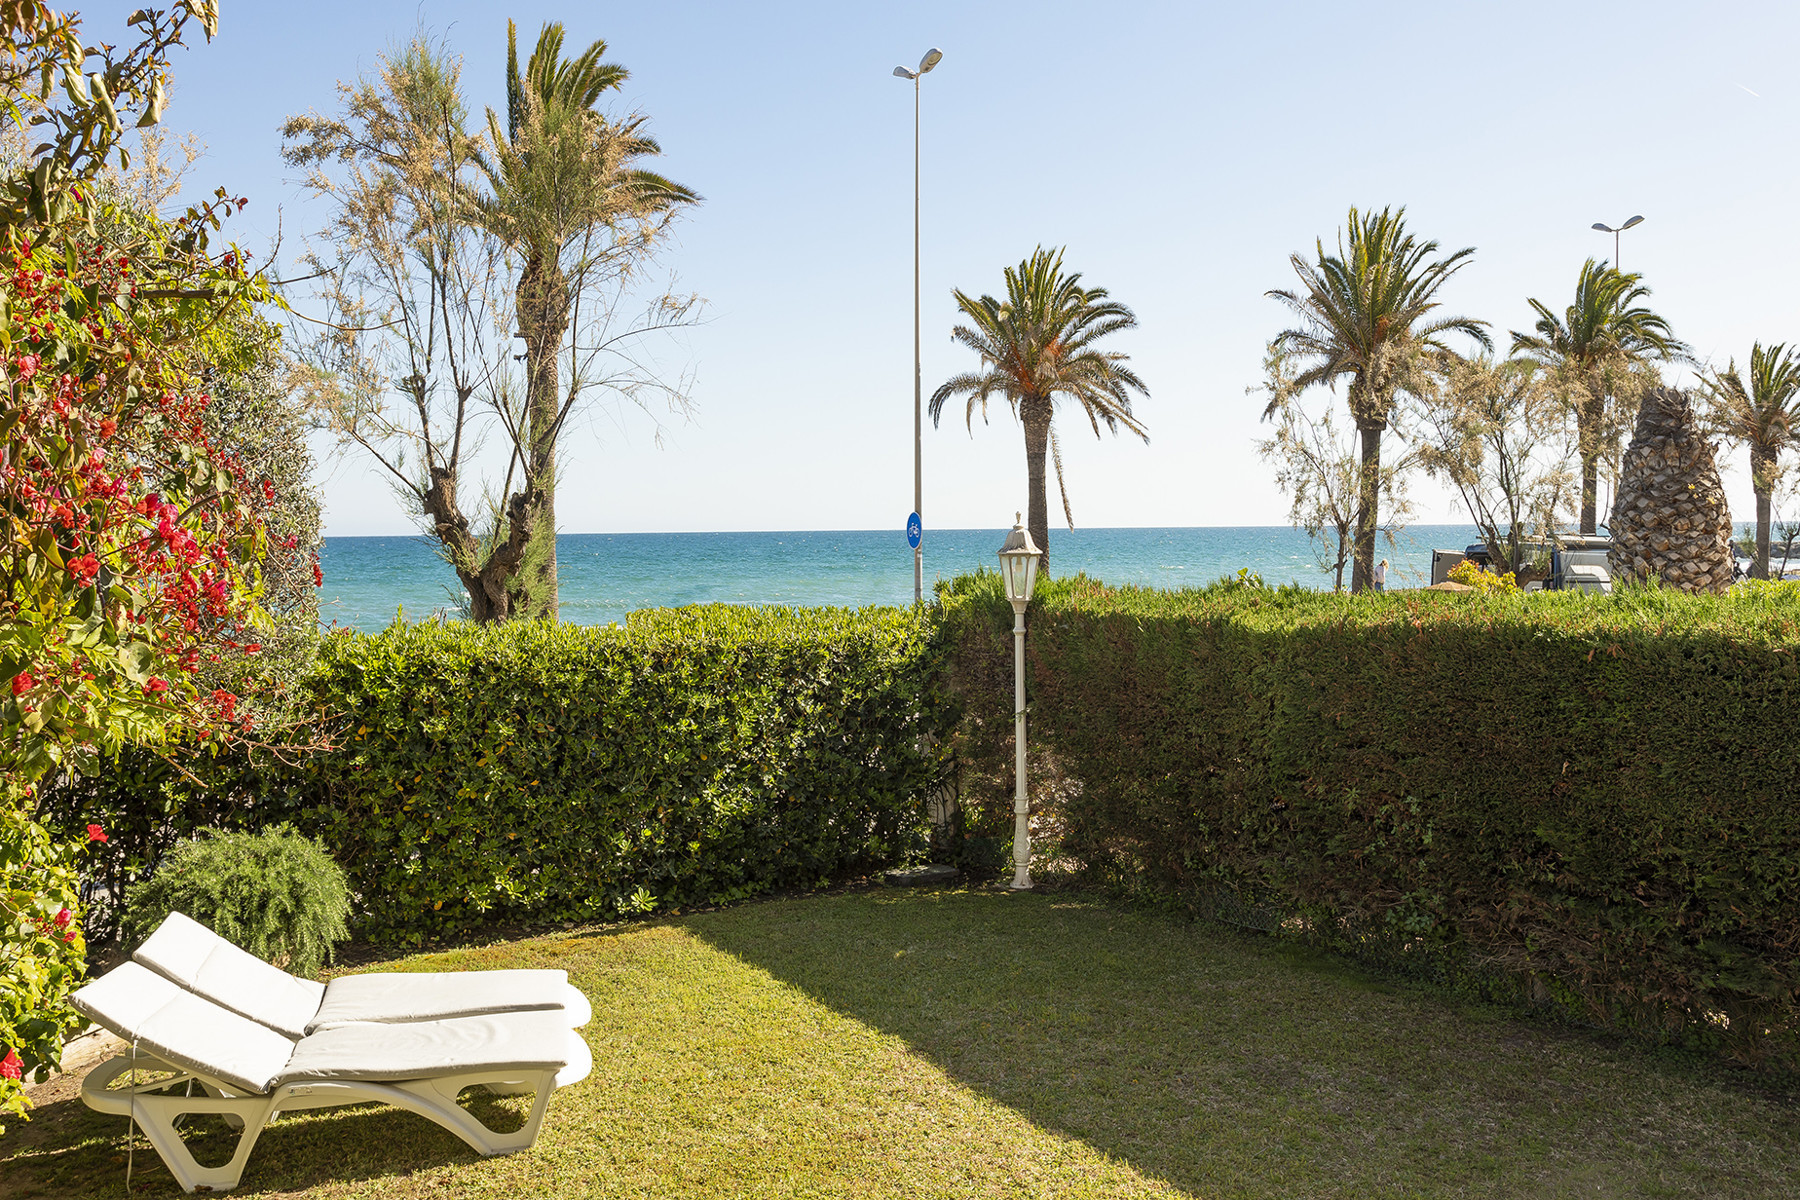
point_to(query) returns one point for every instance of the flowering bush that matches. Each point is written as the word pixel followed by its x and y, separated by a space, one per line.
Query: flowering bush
pixel 129 544
pixel 1471 574
pixel 41 950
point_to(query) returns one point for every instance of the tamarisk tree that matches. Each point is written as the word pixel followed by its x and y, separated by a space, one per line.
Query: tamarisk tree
pixel 439 235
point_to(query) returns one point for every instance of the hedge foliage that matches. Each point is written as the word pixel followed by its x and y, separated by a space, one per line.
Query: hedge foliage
pixel 1592 797
pixel 554 772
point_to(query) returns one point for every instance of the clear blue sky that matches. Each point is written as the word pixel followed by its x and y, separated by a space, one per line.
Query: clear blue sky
pixel 1181 152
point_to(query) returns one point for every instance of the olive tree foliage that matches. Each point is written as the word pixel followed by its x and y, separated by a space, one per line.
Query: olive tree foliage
pixel 1318 464
pixel 414 362
pixel 1496 433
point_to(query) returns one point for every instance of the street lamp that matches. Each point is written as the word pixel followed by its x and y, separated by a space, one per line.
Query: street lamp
pixel 1616 232
pixel 1018 568
pixel 932 57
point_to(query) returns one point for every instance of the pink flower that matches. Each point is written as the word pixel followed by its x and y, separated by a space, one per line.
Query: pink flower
pixel 62 918
pixel 96 834
pixel 10 1066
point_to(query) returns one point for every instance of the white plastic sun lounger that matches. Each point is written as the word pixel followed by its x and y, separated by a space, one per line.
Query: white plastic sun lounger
pixel 189 954
pixel 248 1073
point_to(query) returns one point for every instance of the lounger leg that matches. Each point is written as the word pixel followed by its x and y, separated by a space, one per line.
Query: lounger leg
pixel 156 1115
pixel 435 1099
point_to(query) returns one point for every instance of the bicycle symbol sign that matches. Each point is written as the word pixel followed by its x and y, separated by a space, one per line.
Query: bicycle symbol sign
pixel 915 531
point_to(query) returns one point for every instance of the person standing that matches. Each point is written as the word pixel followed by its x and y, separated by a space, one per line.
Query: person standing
pixel 1380 576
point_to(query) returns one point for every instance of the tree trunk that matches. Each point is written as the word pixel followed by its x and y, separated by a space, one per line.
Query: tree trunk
pixel 1368 500
pixel 1034 414
pixel 1588 417
pixel 491 585
pixel 1762 479
pixel 543 299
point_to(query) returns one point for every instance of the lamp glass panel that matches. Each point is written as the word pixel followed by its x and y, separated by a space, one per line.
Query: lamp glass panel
pixel 1031 565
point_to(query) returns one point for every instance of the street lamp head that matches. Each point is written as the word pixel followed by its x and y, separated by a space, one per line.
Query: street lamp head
pixel 1630 223
pixel 1597 225
pixel 903 73
pixel 932 58
pixel 1019 563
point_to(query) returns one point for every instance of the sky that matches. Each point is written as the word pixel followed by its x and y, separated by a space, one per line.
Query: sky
pixel 1179 152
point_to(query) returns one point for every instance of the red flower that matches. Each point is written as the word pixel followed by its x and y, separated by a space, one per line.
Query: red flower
pixel 10 1066
pixel 62 919
pixel 22 683
pixel 96 834
pixel 156 686
pixel 253 648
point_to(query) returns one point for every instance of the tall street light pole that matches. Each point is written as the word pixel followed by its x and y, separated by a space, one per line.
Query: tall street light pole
pixel 1616 232
pixel 931 59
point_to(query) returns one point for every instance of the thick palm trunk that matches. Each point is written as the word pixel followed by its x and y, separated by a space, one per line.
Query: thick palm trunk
pixel 1037 443
pixel 1588 419
pixel 1590 492
pixel 1762 479
pixel 1368 500
pixel 543 319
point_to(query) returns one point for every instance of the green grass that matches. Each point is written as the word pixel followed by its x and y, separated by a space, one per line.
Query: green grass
pixel 982 1044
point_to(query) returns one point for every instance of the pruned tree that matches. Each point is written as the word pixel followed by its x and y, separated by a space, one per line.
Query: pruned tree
pixel 413 360
pixel 1318 465
pixel 1497 435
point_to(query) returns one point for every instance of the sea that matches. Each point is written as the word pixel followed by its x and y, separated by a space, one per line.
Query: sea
pixel 371 581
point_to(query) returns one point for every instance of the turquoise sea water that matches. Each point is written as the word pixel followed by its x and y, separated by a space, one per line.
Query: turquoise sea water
pixel 606 575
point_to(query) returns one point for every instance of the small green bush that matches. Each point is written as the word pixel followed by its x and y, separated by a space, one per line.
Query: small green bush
pixel 275 893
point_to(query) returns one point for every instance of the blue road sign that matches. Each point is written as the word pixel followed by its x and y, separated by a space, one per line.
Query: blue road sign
pixel 915 531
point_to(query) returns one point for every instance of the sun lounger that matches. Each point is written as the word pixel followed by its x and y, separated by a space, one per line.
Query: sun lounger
pixel 247 1072
pixel 199 960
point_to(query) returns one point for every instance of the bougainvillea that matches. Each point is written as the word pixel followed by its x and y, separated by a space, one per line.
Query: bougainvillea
pixel 129 543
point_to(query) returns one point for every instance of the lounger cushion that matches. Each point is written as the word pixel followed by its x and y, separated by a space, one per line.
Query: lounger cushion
pixel 201 961
pixel 394 997
pixel 183 1029
pixel 529 1041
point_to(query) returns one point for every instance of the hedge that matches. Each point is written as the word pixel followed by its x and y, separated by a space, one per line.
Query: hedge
pixel 1593 798
pixel 556 772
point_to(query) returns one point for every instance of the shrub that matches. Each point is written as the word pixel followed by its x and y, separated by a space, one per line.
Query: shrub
pixel 1471 574
pixel 275 893
pixel 1580 799
pixel 696 756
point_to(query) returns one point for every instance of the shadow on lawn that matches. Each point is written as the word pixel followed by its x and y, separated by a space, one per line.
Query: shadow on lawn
pixel 1212 1061
pixel 68 1149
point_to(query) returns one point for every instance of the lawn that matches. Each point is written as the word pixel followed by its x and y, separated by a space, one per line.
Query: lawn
pixel 979 1043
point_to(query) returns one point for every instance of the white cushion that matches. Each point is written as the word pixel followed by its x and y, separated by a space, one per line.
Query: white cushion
pixel 205 963
pixel 183 1029
pixel 527 1041
pixel 397 996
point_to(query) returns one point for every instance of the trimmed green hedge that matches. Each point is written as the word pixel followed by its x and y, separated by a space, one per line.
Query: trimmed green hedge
pixel 1595 798
pixel 556 772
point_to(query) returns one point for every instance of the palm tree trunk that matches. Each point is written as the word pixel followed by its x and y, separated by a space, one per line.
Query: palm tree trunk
pixel 1762 479
pixel 1588 417
pixel 543 318
pixel 1035 416
pixel 1368 499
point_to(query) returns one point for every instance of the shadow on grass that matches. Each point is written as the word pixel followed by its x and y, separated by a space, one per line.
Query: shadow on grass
pixel 1226 1064
pixel 68 1149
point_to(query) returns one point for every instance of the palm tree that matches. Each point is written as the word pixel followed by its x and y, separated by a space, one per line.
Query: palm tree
pixel 1365 315
pixel 1037 347
pixel 1765 416
pixel 1593 347
pixel 558 172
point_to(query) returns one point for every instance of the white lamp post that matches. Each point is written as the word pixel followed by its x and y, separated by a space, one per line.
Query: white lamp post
pixel 932 57
pixel 1616 231
pixel 1018 568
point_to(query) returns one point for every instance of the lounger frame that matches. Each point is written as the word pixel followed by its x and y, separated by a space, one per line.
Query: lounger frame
pixel 433 1098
